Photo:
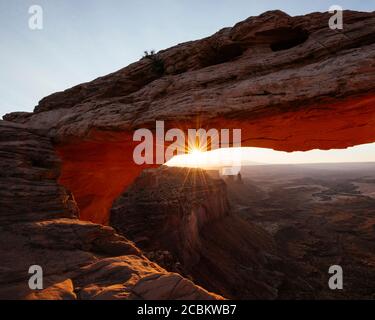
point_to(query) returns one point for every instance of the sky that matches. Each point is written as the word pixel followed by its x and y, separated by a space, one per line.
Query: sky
pixel 235 157
pixel 82 40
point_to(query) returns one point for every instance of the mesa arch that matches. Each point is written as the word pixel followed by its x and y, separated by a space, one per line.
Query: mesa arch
pixel 290 83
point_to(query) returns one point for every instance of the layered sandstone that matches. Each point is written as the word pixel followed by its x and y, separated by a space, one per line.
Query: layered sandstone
pixel 39 226
pixel 271 69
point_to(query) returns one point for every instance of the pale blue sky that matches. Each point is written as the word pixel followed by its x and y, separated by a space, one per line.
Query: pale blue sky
pixel 84 39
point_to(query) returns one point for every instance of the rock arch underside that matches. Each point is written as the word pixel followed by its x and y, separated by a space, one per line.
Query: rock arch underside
pixel 290 83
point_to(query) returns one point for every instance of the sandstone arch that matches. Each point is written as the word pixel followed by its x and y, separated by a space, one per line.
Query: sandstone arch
pixel 316 93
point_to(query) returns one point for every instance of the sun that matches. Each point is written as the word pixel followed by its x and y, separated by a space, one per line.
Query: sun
pixel 195 152
pixel 196 156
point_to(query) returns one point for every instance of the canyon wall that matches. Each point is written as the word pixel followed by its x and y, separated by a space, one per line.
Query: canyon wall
pixel 168 207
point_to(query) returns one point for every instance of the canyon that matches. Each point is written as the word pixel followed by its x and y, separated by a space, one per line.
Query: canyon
pixel 68 177
pixel 192 230
pixel 318 217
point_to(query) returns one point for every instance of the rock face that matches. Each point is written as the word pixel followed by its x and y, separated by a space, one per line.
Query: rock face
pixel 290 83
pixel 181 219
pixel 167 208
pixel 29 170
pixel 39 226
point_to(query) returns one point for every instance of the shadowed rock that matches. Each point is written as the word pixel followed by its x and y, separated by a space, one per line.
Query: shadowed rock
pixel 181 219
pixel 39 226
